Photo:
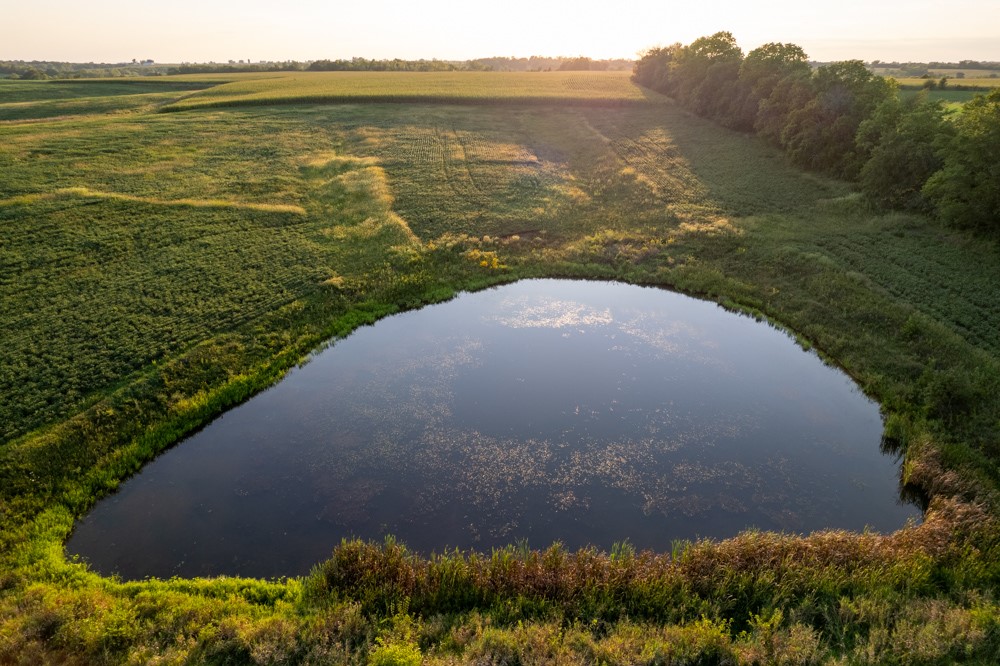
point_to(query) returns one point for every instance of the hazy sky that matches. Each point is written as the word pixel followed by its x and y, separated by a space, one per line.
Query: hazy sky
pixel 220 30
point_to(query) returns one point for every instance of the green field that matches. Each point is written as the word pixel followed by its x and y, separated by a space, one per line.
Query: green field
pixel 158 268
pixel 956 93
pixel 967 74
pixel 590 88
pixel 977 82
pixel 12 91
pixel 22 100
pixel 951 98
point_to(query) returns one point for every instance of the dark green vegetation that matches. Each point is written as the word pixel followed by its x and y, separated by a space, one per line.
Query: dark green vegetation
pixel 159 268
pixel 13 92
pixel 24 100
pixel 846 121
pixel 38 70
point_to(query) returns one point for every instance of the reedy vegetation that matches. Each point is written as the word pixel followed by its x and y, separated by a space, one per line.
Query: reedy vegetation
pixel 159 268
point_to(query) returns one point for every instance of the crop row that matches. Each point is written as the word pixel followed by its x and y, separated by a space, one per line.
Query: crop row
pixel 935 276
pixel 562 88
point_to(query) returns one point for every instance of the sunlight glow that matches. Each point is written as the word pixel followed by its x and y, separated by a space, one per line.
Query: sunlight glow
pixel 198 31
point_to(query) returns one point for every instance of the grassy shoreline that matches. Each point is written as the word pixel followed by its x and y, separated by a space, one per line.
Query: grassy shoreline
pixel 400 206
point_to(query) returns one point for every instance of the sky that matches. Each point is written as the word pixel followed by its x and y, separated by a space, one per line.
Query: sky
pixel 258 30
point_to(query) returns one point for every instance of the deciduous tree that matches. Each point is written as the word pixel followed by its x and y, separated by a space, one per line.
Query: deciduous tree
pixel 966 190
pixel 900 140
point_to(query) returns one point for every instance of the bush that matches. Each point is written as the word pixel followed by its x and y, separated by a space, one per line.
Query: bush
pixel 388 653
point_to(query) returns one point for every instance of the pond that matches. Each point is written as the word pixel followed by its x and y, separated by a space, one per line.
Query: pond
pixel 547 410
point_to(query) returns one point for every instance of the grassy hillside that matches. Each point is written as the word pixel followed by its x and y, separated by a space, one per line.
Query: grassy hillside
pixel 14 91
pixel 23 100
pixel 159 268
pixel 588 88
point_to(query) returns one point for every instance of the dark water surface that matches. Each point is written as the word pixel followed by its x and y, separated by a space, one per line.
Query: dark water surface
pixel 584 412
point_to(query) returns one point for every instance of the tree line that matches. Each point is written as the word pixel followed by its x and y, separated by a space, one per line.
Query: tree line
pixel 906 153
pixel 42 70
pixel 498 64
pixel 38 70
pixel 985 68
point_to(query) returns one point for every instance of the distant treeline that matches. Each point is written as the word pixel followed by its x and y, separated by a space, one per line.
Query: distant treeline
pixel 41 70
pixel 844 120
pixel 395 65
pixel 236 67
pixel 540 64
pixel 534 63
pixel 918 69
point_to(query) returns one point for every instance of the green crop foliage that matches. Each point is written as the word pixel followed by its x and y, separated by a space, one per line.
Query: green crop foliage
pixel 159 268
pixel 580 88
pixel 24 100
pixel 12 91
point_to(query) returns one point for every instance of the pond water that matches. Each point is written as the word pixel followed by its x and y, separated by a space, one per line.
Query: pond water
pixel 583 412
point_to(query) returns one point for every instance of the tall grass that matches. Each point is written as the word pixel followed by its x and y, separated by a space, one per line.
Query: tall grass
pixel 736 579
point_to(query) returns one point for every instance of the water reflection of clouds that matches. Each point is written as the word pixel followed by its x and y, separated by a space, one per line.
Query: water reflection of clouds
pixel 490 475
pixel 674 431
pixel 413 442
pixel 672 337
pixel 417 389
pixel 540 312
